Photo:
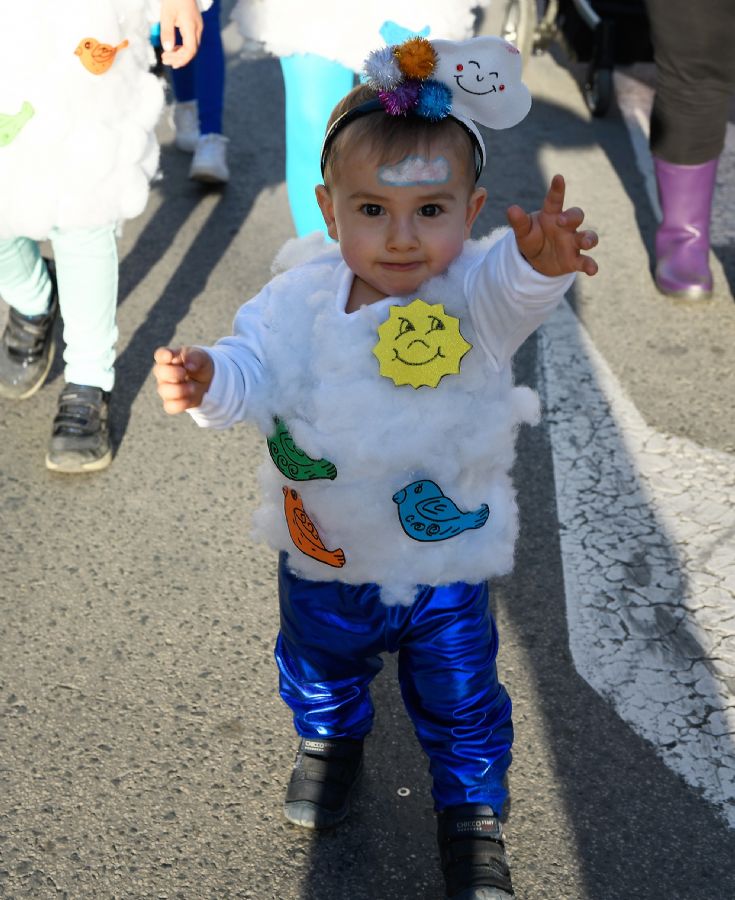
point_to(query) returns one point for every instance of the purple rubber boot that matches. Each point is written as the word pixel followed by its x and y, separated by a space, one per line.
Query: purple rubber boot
pixel 682 239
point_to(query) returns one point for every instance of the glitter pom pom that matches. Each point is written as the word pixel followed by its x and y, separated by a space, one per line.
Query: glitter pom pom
pixel 381 70
pixel 435 100
pixel 416 57
pixel 399 101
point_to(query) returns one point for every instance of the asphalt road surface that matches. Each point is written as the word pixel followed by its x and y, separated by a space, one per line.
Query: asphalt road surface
pixel 144 751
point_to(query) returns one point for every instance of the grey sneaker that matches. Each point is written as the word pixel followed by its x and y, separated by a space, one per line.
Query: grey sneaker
pixel 186 125
pixel 80 440
pixel 27 349
pixel 210 160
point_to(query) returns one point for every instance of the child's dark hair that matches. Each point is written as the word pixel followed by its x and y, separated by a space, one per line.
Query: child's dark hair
pixel 391 138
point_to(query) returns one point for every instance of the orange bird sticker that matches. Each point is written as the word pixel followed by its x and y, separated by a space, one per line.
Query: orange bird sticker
pixel 95 56
pixel 304 534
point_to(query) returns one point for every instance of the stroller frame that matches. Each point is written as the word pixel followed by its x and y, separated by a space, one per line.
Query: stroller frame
pixel 610 32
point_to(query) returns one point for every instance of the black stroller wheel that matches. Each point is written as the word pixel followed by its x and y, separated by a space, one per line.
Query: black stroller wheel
pixel 598 90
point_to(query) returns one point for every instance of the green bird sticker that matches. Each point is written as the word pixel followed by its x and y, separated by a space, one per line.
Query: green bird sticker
pixel 11 125
pixel 292 461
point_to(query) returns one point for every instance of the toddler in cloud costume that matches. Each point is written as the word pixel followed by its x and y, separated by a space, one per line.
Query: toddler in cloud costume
pixel 78 108
pixel 379 370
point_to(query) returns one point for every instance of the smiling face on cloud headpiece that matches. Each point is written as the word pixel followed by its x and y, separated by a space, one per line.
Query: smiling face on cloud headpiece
pixel 484 75
pixel 473 81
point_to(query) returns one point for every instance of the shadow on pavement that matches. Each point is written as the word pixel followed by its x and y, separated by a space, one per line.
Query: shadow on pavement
pixel 151 685
pixel 634 819
pixel 180 200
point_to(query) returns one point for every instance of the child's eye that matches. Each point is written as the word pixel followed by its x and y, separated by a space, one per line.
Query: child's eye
pixel 430 210
pixel 371 209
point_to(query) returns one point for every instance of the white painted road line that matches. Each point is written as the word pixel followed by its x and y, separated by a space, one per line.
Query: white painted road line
pixel 647 524
pixel 647 528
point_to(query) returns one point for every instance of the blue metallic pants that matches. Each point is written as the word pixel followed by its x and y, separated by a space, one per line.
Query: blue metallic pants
pixel 328 652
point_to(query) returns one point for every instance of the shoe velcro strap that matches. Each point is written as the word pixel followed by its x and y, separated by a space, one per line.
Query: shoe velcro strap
pixel 26 336
pixel 79 411
pixel 472 851
pixel 328 794
pixel 476 863
pixel 319 769
pixel 482 852
pixel 325 780
pixel 326 770
pixel 35 326
pixel 77 419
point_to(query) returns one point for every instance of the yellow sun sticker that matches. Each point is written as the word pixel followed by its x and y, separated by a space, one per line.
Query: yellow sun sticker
pixel 419 344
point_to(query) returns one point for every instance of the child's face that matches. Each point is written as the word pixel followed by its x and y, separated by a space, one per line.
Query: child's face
pixel 399 224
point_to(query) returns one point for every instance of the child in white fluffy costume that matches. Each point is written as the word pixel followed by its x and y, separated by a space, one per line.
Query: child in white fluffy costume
pixel 77 152
pixel 379 370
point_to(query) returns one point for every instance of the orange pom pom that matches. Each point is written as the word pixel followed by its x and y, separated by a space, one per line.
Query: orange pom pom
pixel 416 58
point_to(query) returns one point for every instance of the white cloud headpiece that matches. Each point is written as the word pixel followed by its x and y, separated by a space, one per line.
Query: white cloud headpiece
pixel 474 81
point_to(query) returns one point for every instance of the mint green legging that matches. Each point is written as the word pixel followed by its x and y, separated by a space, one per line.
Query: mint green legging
pixel 87 274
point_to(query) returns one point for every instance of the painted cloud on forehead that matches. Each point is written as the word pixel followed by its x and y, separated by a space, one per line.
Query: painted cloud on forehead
pixel 484 75
pixel 415 170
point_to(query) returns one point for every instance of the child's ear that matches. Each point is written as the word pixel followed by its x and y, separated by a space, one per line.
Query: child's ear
pixel 474 205
pixel 327 208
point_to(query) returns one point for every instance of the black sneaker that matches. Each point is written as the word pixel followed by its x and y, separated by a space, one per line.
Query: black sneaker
pixel 27 348
pixel 472 853
pixel 80 441
pixel 325 773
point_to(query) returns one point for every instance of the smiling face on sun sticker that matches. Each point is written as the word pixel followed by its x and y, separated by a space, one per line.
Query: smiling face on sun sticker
pixel 419 344
pixel 484 75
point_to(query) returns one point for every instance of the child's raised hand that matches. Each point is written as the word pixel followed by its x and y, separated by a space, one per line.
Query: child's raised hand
pixel 549 238
pixel 183 376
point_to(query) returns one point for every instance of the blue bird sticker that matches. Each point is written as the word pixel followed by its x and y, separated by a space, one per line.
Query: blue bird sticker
pixel 426 514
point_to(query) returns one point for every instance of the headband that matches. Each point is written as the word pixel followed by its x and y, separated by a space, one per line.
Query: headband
pixel 371 106
pixel 473 81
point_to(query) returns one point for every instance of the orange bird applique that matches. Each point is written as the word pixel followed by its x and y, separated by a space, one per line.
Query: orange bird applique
pixel 304 534
pixel 97 57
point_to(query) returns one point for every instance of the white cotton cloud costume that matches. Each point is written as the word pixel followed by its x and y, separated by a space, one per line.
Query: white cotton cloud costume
pixel 86 156
pixel 346 32
pixel 300 357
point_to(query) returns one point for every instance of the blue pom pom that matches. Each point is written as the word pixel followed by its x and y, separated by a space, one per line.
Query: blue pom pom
pixel 381 70
pixel 435 100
